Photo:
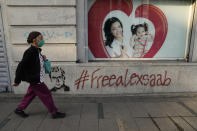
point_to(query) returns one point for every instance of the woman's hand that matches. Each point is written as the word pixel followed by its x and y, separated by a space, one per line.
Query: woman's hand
pixel 44 57
pixel 149 37
pixel 123 48
pixel 15 84
pixel 123 51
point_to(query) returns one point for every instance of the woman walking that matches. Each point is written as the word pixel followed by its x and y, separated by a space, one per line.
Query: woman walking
pixel 31 70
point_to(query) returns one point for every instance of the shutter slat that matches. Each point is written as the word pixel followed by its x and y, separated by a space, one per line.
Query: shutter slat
pixel 2 89
pixel 3 84
pixel 1 50
pixel 4 79
pixel 2 54
pixel 4 72
pixel 3 65
pixel 3 59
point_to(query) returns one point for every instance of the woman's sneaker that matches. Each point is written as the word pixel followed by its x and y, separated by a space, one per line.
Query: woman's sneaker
pixel 21 113
pixel 58 115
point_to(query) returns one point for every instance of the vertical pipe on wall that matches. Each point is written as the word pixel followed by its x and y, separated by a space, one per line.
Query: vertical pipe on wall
pixel 193 43
pixel 82 44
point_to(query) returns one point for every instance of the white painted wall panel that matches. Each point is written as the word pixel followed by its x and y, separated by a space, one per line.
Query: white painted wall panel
pixel 41 2
pixel 41 15
pixel 55 52
pixel 119 78
pixel 64 34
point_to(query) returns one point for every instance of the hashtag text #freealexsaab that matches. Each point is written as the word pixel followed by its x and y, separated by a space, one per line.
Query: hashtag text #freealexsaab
pixel 98 80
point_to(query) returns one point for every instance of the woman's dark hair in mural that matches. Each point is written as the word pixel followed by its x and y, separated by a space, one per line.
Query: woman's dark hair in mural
pixel 107 29
pixel 135 27
pixel 32 36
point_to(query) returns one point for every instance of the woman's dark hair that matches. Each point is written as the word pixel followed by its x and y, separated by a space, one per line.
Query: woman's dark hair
pixel 32 35
pixel 107 29
pixel 135 27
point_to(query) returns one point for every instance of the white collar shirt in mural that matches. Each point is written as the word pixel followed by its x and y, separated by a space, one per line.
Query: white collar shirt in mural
pixel 115 51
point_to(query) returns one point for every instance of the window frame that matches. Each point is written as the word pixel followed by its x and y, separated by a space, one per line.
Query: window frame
pixel 82 39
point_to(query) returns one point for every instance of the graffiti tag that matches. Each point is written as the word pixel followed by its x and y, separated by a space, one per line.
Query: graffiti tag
pixel 48 35
pixel 126 80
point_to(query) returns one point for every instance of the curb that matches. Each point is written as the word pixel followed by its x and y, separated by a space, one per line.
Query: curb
pixel 97 98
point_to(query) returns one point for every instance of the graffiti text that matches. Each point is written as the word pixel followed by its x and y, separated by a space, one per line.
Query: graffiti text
pixel 126 80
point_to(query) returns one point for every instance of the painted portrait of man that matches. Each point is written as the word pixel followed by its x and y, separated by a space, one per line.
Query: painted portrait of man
pixel 58 78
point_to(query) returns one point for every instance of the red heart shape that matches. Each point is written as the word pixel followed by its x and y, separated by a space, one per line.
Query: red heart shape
pixel 96 16
pixel 157 17
pixel 101 8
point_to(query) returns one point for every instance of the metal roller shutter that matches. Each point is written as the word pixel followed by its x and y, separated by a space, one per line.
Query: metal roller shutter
pixel 4 72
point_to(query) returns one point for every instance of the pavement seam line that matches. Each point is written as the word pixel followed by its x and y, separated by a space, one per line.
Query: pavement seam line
pixel 81 111
pixel 100 111
pixel 164 116
pixel 154 122
pixel 4 122
pixel 8 117
pixel 187 122
pixel 176 124
pixel 188 108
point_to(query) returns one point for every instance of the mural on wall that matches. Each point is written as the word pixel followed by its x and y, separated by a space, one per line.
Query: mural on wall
pixel 98 80
pixel 137 29
pixel 58 78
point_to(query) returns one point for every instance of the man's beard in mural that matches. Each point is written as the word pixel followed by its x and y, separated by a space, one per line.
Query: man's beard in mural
pixel 58 77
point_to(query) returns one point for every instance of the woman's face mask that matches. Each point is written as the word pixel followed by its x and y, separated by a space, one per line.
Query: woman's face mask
pixel 41 43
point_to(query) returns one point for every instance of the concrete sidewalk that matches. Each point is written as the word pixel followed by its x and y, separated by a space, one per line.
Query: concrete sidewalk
pixel 113 113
